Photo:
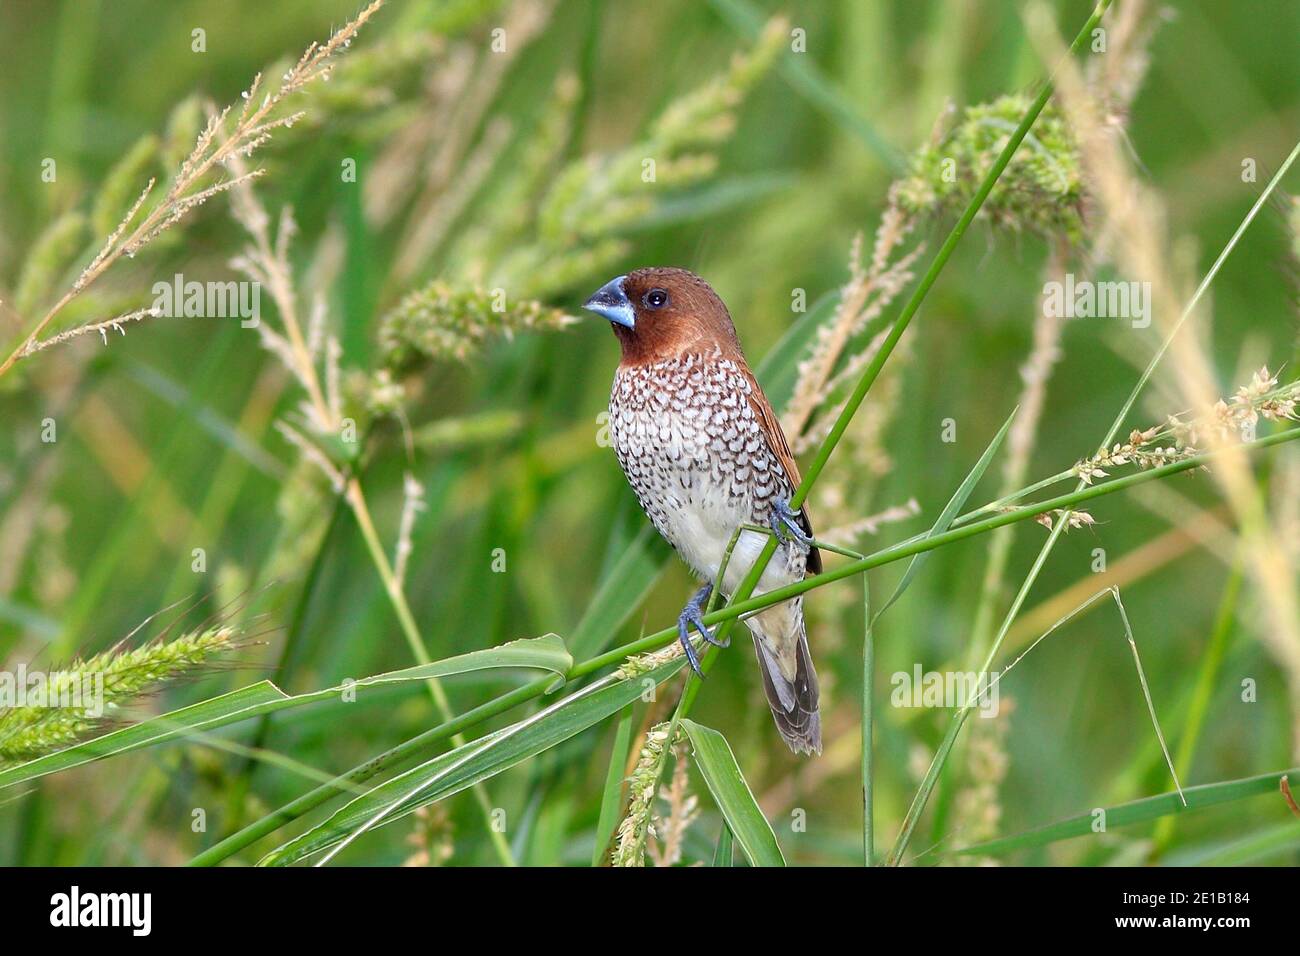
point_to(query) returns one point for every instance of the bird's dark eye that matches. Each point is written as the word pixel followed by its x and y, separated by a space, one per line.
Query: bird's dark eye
pixel 655 299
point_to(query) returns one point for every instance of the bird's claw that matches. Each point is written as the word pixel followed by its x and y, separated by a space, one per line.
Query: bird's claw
pixel 784 522
pixel 692 616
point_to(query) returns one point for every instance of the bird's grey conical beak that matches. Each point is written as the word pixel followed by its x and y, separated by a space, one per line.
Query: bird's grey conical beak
pixel 611 301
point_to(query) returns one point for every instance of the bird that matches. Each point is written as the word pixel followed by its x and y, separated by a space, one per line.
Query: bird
pixel 703 450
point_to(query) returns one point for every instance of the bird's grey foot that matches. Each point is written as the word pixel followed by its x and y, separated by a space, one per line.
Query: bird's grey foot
pixel 784 522
pixel 693 616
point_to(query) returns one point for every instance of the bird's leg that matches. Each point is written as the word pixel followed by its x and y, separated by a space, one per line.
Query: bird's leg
pixel 692 616
pixel 785 525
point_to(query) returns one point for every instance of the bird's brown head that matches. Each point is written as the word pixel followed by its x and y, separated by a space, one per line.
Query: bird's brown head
pixel 661 313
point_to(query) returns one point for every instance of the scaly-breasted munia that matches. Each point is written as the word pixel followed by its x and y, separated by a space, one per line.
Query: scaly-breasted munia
pixel 705 454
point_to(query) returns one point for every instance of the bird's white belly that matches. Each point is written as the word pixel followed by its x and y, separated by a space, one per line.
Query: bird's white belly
pixel 696 456
pixel 702 524
pixel 701 513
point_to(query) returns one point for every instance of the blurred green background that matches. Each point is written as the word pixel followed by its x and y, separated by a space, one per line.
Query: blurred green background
pixel 165 440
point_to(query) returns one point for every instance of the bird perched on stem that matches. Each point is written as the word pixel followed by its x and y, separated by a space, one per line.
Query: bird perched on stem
pixel 704 452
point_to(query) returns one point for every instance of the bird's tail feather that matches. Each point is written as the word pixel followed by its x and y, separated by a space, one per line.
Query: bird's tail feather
pixel 794 703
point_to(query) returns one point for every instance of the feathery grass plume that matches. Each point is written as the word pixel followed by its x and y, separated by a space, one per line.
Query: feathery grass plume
pixel 368 81
pixel 1227 420
pixel 683 807
pixel 593 200
pixel 117 323
pixel 442 322
pixel 433 834
pixel 184 122
pixel 437 163
pixel 847 343
pixel 1041 190
pixel 636 666
pixel 1115 78
pixel 846 534
pixel 229 134
pixel 313 432
pixel 309 352
pixel 513 209
pixel 636 826
pixel 841 350
pixel 1135 218
pixel 111 679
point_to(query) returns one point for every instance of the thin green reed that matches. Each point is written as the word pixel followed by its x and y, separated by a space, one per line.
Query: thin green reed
pixel 959 719
pixel 900 325
pixel 416 745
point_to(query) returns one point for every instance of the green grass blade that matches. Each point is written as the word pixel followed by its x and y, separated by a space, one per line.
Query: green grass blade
pixel 547 652
pixel 1136 811
pixel 950 511
pixel 227 708
pixel 868 728
pixel 1270 843
pixel 724 855
pixel 610 800
pixel 1225 621
pixel 732 794
pixel 542 653
pixel 471 763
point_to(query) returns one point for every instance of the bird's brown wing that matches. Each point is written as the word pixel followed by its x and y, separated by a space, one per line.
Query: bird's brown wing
pixel 781 448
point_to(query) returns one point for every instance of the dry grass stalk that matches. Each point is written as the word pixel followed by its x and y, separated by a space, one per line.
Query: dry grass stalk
pixel 868 292
pixel 846 534
pixel 266 261
pixel 452 166
pixel 218 144
pixel 1136 223
pixel 116 324
pixel 412 505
